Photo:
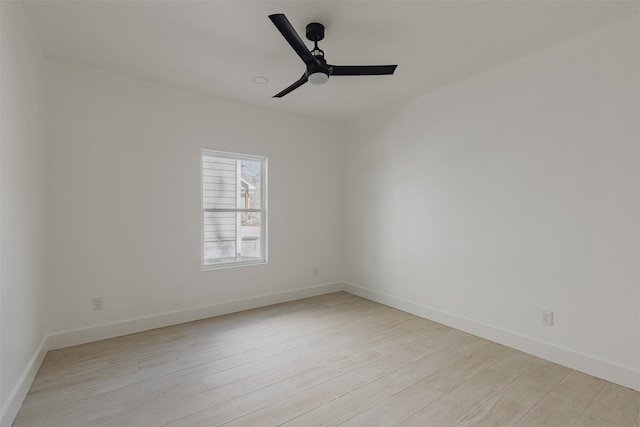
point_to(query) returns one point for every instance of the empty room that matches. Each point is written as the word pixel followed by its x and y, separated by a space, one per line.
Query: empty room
pixel 319 213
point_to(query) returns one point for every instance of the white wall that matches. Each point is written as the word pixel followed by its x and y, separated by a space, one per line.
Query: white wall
pixel 511 192
pixel 22 209
pixel 124 199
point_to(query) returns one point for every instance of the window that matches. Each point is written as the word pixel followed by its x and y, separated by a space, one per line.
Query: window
pixel 234 214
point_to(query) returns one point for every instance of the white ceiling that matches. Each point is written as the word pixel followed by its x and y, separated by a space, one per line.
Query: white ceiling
pixel 217 47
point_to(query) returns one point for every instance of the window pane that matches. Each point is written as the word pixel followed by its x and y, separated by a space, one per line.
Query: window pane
pixel 219 183
pixel 219 252
pixel 251 185
pixel 219 230
pixel 250 235
pixel 221 239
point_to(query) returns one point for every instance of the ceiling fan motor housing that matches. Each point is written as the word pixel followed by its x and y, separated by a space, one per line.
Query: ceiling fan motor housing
pixel 315 31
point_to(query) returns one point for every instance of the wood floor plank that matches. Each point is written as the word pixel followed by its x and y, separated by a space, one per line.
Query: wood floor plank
pixel 343 407
pixel 101 409
pixel 466 397
pixel 396 408
pixel 274 352
pixel 335 359
pixel 511 404
pixel 349 376
pixel 327 358
pixel 159 415
pixel 566 403
pixel 614 406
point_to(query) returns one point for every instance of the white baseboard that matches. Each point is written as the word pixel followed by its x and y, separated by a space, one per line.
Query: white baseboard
pixel 110 330
pixel 622 375
pixel 19 392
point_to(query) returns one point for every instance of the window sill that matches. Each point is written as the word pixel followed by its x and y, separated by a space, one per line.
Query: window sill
pixel 233 264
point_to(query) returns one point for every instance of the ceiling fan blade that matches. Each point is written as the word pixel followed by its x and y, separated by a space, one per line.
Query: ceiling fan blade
pixel 362 70
pixel 293 87
pixel 284 26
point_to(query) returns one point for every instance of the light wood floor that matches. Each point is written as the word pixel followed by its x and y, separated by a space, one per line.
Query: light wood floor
pixel 330 360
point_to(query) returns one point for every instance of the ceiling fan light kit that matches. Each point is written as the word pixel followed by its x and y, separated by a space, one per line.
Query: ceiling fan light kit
pixel 318 78
pixel 318 70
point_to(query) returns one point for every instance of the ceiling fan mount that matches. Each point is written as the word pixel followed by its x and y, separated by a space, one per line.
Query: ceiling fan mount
pixel 318 70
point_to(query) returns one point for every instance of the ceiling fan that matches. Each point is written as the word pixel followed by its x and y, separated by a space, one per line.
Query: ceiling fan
pixel 318 71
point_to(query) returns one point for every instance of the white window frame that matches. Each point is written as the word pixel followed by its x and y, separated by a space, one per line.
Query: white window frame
pixel 263 210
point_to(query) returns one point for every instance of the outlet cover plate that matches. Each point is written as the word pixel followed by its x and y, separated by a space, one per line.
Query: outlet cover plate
pixel 546 317
pixel 97 303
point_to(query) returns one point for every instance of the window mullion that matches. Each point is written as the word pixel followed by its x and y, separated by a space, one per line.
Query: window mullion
pixel 238 213
pixel 232 210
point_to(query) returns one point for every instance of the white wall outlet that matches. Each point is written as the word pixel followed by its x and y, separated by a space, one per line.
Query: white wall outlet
pixel 315 272
pixel 546 317
pixel 97 303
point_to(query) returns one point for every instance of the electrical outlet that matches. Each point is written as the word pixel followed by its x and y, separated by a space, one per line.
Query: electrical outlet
pixel 97 303
pixel 315 272
pixel 546 317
